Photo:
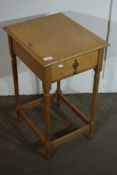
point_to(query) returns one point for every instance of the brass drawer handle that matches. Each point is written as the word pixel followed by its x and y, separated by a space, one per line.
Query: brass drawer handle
pixel 75 66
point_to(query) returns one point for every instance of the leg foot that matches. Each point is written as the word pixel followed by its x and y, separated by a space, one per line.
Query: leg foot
pixel 91 130
pixel 48 150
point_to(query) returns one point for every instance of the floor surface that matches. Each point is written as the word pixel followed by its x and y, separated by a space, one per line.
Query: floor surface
pixel 22 154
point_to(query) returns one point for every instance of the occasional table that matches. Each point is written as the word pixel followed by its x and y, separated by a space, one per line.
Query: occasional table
pixel 55 47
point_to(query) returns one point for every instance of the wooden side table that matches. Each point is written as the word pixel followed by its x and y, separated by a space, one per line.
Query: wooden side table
pixel 55 47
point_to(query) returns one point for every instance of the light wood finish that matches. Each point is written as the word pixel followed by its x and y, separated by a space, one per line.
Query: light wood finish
pixel 54 35
pixel 65 68
pixel 15 76
pixel 72 49
pixel 28 59
pixel 32 126
pixel 74 109
pixel 70 136
pixel 97 71
pixel 33 103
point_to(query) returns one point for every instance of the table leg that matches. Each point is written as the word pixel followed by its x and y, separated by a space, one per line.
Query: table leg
pixel 93 105
pixel 58 92
pixel 15 77
pixel 97 71
pixel 16 86
pixel 47 120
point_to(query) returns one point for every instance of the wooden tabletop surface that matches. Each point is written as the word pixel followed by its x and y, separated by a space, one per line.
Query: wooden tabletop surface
pixel 55 37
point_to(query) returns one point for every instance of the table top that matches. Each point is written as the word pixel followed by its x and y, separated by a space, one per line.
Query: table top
pixel 54 38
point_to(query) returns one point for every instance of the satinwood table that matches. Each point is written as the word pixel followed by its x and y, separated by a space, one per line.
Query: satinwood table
pixel 55 47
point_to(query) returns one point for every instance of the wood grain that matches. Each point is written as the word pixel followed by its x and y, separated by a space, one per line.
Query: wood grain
pixel 65 68
pixel 70 136
pixel 54 35
pixel 73 49
pixel 28 59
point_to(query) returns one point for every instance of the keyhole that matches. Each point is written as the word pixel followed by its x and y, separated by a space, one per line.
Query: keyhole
pixel 75 66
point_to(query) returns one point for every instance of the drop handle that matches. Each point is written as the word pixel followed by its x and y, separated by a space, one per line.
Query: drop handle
pixel 75 66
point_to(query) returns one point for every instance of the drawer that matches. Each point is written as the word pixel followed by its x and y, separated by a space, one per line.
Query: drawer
pixel 73 66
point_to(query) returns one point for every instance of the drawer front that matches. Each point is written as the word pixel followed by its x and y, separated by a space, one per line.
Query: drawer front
pixel 73 66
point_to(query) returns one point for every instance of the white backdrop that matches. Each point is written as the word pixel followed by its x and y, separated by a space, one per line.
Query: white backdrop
pixel 92 14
